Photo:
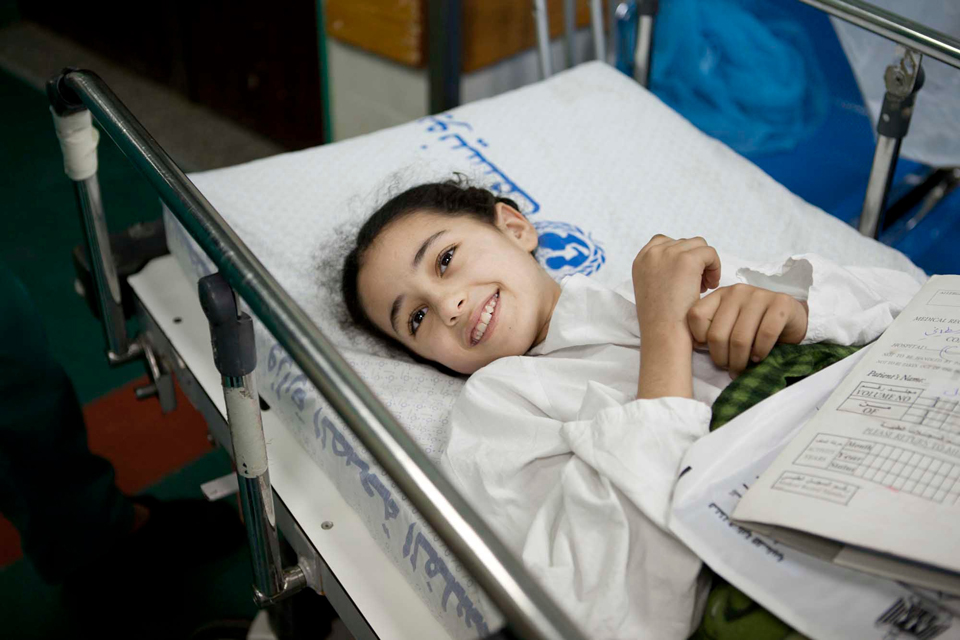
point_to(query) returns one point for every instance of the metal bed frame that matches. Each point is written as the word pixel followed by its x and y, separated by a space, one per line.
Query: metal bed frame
pixel 903 78
pixel 528 611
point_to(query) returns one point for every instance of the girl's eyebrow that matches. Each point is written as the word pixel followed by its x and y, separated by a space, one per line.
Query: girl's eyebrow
pixel 423 248
pixel 395 312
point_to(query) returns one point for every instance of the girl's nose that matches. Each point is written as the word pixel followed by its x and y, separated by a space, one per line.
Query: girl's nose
pixel 453 306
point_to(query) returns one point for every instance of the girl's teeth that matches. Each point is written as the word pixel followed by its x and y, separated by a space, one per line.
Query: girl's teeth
pixel 485 317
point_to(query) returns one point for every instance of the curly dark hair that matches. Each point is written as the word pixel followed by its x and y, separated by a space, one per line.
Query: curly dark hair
pixel 450 198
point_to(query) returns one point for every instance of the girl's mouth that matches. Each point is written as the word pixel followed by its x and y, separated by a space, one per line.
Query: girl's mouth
pixel 488 316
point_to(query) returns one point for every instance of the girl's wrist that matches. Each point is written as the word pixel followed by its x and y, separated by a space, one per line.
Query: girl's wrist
pixel 666 368
pixel 660 330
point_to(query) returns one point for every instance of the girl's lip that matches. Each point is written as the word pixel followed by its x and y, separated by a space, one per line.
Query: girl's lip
pixel 475 320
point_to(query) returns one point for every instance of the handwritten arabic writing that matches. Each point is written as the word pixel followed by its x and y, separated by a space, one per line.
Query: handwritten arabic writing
pixel 286 381
pixel 815 487
pixel 756 540
pixel 434 566
pixel 950 353
pixel 563 249
pixel 341 448
pixel 497 180
pixel 940 331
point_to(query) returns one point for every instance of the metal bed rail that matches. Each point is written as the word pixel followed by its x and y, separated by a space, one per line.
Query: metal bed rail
pixel 903 79
pixel 528 610
pixel 908 33
pixel 646 10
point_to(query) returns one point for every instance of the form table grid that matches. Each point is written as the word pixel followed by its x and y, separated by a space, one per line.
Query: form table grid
pixel 896 468
pixel 903 403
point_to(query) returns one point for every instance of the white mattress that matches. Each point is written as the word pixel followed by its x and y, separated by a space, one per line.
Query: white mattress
pixel 599 165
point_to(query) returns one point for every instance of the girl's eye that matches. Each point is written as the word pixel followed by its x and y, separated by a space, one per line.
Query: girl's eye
pixel 445 259
pixel 416 319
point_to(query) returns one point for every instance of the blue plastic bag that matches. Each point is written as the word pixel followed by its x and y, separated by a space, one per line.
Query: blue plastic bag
pixel 740 70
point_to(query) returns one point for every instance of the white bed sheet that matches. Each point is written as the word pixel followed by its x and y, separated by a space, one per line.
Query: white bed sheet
pixel 597 163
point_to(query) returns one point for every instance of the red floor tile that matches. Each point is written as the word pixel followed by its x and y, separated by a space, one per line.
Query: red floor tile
pixel 143 444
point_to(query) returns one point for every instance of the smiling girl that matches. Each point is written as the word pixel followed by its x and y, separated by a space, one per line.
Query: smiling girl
pixel 583 399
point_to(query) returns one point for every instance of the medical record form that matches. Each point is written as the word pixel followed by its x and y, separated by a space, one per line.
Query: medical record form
pixel 872 481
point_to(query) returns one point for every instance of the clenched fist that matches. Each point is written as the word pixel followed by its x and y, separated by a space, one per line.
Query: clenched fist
pixel 743 323
pixel 669 276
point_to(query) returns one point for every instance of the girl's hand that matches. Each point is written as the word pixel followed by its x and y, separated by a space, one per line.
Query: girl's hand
pixel 742 323
pixel 669 276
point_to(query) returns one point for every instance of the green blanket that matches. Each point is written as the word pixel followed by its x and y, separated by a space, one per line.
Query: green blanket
pixel 731 615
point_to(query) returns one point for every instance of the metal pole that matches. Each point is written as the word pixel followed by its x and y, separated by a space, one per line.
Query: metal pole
pixel 878 187
pixel 271 582
pixel 529 611
pixel 612 30
pixel 570 31
pixel 903 79
pixel 443 24
pixel 543 37
pixel 78 143
pixel 647 10
pixel 234 353
pixel 97 240
pixel 908 33
pixel 596 21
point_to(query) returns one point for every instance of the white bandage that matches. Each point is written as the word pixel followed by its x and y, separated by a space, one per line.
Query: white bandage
pixel 78 141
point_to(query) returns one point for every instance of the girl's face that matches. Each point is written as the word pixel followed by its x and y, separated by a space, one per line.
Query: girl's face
pixel 456 290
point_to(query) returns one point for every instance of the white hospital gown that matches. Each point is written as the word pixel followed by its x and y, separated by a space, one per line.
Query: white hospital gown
pixel 576 474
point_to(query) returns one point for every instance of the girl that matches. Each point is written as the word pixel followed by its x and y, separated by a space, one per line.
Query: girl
pixel 569 433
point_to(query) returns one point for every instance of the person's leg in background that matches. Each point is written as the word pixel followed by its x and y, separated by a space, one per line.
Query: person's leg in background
pixel 61 497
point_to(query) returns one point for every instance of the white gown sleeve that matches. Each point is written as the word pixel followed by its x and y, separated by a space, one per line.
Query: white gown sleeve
pixel 847 305
pixel 585 502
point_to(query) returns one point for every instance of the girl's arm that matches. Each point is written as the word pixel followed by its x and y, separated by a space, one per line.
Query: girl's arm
pixel 668 277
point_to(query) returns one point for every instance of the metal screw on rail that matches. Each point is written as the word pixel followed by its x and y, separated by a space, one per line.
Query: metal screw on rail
pixel 234 352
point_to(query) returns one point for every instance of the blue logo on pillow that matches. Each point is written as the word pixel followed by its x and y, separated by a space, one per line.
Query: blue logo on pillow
pixel 566 249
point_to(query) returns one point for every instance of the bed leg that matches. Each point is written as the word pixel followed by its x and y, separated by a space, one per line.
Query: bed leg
pixel 78 142
pixel 903 80
pixel 234 352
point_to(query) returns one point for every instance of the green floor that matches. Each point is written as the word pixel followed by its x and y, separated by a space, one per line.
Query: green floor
pixel 39 225
pixel 31 610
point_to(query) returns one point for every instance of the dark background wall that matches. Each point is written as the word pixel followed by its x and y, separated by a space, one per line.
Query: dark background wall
pixel 255 62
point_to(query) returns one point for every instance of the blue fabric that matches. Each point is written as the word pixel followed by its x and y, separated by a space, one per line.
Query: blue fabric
pixel 742 71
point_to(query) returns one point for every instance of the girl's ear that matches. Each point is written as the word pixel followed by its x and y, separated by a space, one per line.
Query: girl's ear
pixel 516 226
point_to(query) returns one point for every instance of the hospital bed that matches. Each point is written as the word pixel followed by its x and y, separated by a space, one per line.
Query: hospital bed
pixel 351 429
